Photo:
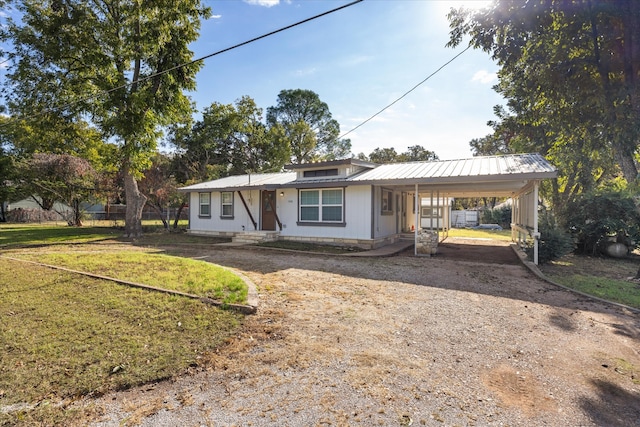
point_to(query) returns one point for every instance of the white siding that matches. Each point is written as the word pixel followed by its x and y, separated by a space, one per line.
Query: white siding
pixel 357 216
pixel 385 225
pixel 215 223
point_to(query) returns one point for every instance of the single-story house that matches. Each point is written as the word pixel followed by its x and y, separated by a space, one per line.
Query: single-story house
pixel 359 203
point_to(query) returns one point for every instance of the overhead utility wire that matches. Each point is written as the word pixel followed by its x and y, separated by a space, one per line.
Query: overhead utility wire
pixel 406 93
pixel 160 73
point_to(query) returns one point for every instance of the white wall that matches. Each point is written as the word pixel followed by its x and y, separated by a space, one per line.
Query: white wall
pixel 357 215
pixel 215 223
pixel 385 225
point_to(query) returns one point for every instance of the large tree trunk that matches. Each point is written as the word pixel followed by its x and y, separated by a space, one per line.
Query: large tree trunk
pixel 135 203
pixel 77 213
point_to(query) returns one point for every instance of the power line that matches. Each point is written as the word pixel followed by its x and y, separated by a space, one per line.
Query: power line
pixel 406 93
pixel 160 73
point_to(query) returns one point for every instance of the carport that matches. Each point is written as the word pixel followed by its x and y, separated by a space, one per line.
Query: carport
pixel 517 176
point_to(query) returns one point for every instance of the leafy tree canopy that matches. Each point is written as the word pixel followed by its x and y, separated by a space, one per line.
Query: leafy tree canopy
pixel 58 178
pixel 568 70
pixel 119 62
pixel 229 140
pixel 308 126
pixel 389 155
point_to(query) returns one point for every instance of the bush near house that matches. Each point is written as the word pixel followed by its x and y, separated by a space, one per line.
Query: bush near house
pixel 500 216
pixel 554 242
pixel 598 219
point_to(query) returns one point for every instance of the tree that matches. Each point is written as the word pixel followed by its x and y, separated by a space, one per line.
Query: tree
pixel 161 189
pixel 498 142
pixel 228 140
pixel 417 153
pixel 308 126
pixel 8 177
pixel 389 155
pixel 384 155
pixel 119 61
pixel 569 73
pixel 59 178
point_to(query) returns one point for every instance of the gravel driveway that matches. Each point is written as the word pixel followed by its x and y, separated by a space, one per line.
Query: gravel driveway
pixel 401 341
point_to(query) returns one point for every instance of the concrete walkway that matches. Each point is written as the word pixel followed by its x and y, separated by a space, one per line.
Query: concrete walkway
pixel 386 250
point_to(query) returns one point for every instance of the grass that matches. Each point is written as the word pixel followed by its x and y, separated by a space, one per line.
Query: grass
pixel 65 335
pixel 12 235
pixel 154 269
pixel 603 277
pixel 480 234
pixel 620 291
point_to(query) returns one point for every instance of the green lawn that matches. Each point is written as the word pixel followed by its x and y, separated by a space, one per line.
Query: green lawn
pixel 12 235
pixel 480 234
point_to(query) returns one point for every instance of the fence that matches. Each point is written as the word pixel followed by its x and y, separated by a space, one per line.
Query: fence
pixel 115 213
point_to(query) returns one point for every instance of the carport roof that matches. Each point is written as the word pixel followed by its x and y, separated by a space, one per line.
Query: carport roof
pixel 487 175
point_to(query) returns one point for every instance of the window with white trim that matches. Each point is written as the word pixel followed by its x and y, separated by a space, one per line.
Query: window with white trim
pixel 325 205
pixel 205 205
pixel 387 202
pixel 226 204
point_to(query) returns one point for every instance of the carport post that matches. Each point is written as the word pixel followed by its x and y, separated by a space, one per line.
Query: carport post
pixel 536 234
pixel 417 219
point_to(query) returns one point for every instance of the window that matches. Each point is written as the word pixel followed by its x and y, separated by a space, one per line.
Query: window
pixel 387 202
pixel 321 205
pixel 205 204
pixel 226 204
pixel 320 172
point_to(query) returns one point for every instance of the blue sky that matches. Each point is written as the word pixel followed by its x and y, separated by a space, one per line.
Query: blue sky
pixel 358 60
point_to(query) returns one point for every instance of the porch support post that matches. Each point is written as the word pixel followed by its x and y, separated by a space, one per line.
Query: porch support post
pixel 417 220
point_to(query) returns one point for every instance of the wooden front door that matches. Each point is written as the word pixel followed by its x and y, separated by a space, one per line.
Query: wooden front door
pixel 268 210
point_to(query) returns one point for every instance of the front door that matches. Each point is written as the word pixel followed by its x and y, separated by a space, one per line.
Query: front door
pixel 268 210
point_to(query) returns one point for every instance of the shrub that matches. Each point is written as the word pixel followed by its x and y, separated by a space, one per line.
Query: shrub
pixel 554 242
pixel 598 219
pixel 500 216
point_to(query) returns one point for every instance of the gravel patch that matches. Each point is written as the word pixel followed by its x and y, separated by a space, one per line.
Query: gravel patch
pixel 401 341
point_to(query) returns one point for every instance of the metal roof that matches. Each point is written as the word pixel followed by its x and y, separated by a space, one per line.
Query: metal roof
pixel 488 175
pixel 249 181
pixel 487 167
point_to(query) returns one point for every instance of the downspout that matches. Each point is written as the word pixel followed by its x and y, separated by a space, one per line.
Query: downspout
pixel 373 213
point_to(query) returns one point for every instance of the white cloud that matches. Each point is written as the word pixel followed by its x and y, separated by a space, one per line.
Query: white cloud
pixel 485 77
pixel 305 72
pixel 265 3
pixel 215 16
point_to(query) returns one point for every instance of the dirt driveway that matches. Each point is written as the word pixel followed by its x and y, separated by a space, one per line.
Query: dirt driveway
pixel 401 341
